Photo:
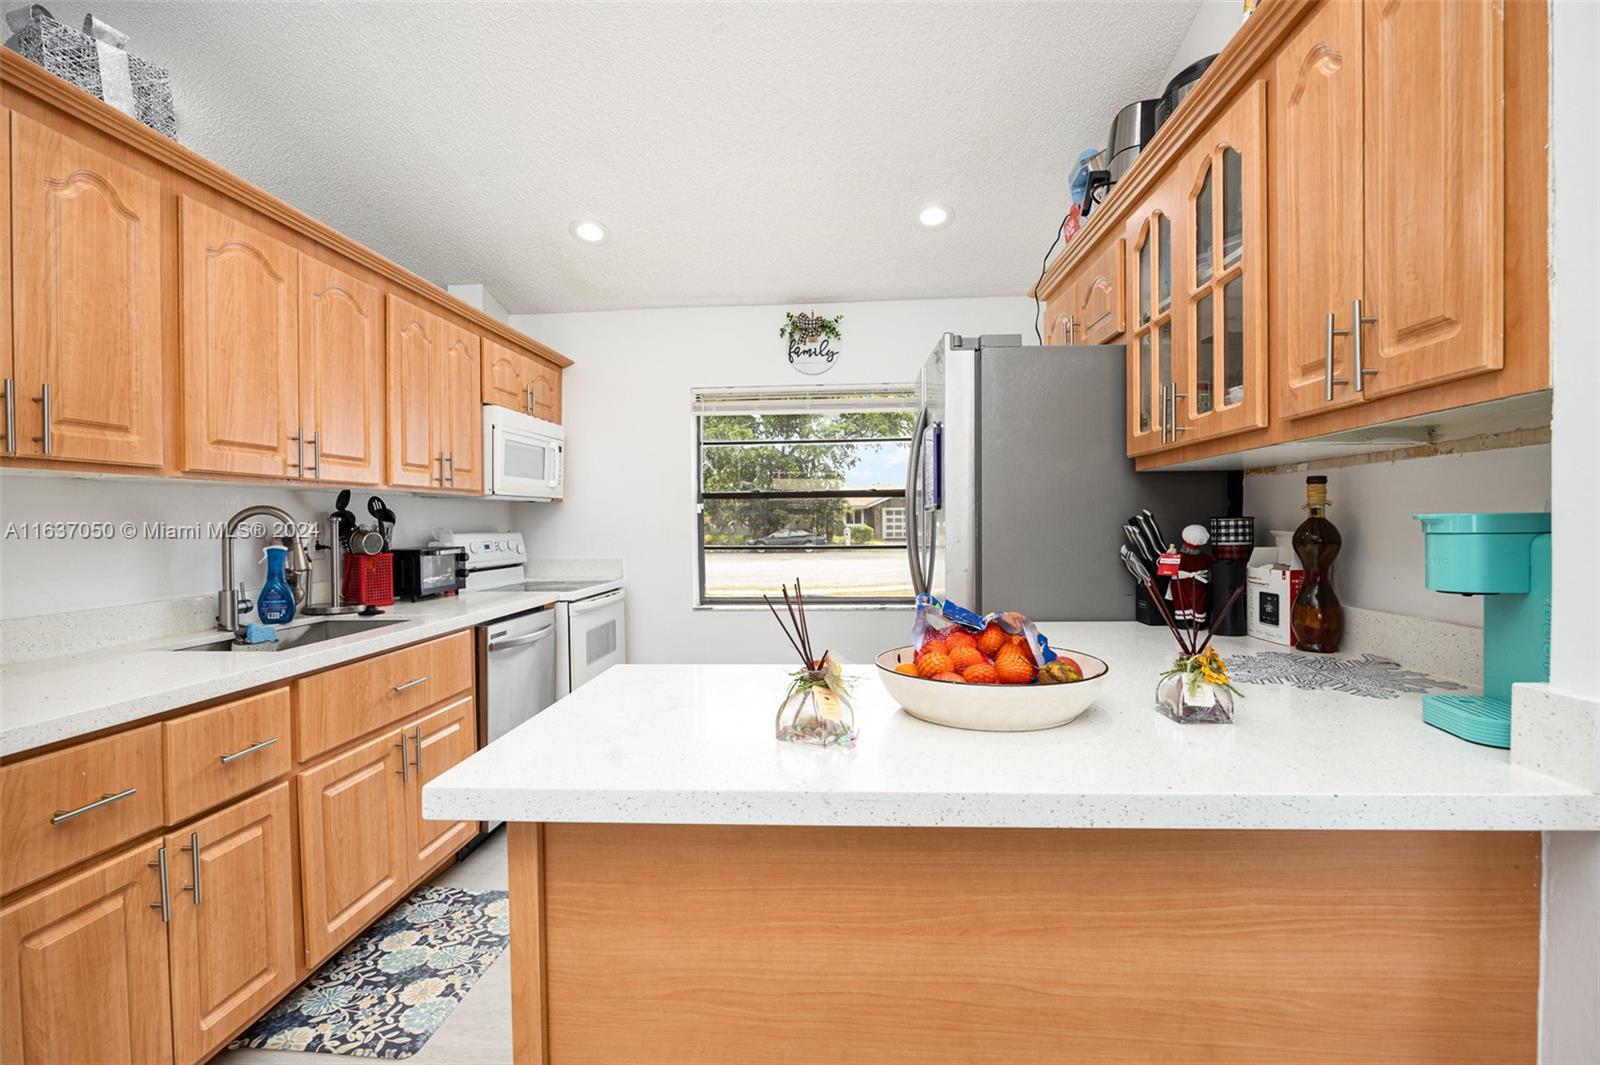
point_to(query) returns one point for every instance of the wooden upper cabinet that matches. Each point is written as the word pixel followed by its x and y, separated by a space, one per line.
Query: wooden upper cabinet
pixel 506 374
pixel 86 240
pixel 460 418
pixel 545 382
pixel 1434 203
pixel 237 316
pixel 1317 215
pixel 341 374
pixel 83 967
pixel 1153 362
pixel 353 841
pixel 415 354
pixel 1222 330
pixel 1099 311
pixel 233 918
pixel 8 383
pixel 437 742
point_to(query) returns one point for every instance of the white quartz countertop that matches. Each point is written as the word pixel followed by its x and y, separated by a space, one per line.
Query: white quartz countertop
pixel 680 744
pixel 56 699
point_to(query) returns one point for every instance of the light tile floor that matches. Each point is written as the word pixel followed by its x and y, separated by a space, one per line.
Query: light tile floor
pixel 479 1031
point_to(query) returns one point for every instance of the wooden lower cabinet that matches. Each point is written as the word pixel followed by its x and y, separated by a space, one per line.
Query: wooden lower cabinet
pixel 353 840
pixel 231 937
pixel 83 967
pixel 438 741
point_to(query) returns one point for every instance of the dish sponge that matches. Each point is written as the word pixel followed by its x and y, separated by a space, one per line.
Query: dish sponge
pixel 259 634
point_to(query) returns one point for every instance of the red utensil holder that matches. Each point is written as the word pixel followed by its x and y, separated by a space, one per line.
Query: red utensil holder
pixel 369 579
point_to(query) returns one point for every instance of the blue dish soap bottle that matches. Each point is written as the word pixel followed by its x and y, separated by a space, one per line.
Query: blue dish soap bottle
pixel 275 604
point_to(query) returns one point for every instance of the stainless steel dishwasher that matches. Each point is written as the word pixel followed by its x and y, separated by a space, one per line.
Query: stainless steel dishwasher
pixel 516 674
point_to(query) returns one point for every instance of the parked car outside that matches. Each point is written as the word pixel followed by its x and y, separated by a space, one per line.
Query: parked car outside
pixel 789 538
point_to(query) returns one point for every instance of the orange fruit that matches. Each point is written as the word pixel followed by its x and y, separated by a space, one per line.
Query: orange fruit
pixel 982 673
pixel 965 655
pixel 1071 662
pixel 1013 665
pixel 908 668
pixel 991 639
pixel 933 663
pixel 951 678
pixel 933 645
pixel 960 638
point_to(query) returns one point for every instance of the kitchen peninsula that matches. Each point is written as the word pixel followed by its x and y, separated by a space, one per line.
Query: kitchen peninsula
pixel 1328 879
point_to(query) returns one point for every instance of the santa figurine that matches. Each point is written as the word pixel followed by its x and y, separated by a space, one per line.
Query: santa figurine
pixel 1189 591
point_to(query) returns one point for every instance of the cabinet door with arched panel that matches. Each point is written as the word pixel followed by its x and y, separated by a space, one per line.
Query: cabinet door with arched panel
pixel 1223 316
pixel 1154 364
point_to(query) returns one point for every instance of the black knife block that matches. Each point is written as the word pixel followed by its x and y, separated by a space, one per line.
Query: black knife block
pixel 1145 611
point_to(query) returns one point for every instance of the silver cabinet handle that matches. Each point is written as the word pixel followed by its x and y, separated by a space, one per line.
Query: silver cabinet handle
pixel 11 416
pixel 1359 372
pixel 104 800
pixel 194 865
pixel 527 399
pixel 403 763
pixel 316 454
pixel 48 439
pixel 523 641
pixel 451 458
pixel 229 759
pixel 441 469
pixel 299 441
pixel 165 905
pixel 1172 397
pixel 410 683
pixel 1328 380
pixel 1161 412
pixel 416 751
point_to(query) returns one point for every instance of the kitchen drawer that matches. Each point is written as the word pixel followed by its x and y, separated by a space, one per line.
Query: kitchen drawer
pixel 218 754
pixel 346 703
pixel 98 794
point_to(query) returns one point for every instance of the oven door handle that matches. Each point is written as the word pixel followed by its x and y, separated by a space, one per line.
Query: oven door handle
pixel 596 603
pixel 522 641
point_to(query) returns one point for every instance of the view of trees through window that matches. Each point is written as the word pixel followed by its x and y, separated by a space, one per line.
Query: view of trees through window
pixel 818 496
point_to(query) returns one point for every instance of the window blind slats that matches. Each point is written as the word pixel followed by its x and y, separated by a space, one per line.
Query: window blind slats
pixel 854 399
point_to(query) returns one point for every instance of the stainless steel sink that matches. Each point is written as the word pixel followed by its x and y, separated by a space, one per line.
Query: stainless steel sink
pixel 298 636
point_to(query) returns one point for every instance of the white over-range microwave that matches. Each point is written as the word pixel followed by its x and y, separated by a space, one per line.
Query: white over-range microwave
pixel 523 456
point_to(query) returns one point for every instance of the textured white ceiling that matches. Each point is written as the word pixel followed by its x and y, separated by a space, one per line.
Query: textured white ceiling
pixel 738 153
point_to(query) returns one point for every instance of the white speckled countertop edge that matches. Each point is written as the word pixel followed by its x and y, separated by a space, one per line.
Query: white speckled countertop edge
pixel 50 700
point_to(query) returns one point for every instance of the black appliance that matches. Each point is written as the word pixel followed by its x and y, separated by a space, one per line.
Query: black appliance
pixel 426 572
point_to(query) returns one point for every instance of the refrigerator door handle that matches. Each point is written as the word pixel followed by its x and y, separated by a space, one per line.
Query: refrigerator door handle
pixel 913 507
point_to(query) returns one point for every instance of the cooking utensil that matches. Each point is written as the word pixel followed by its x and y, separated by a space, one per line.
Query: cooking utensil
pixel 1149 550
pixel 1137 568
pixel 1136 541
pixel 1147 521
pixel 366 540
pixel 386 519
pixel 344 521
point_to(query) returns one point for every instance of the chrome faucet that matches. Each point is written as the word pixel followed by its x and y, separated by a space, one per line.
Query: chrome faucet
pixel 232 604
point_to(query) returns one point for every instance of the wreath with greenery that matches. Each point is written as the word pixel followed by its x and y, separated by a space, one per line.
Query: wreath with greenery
pixel 806 328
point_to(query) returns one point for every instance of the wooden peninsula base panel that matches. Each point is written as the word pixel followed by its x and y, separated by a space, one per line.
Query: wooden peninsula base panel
pixel 735 944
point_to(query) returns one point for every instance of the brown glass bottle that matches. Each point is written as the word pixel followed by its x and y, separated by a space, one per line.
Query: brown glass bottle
pixel 1317 619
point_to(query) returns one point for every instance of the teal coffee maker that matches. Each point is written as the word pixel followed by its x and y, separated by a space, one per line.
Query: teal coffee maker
pixel 1506 559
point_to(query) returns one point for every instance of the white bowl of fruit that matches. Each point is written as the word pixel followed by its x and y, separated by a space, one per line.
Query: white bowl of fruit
pixel 989 682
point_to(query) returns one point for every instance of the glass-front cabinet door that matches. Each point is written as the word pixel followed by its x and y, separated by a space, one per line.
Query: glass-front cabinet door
pixel 1222 319
pixel 1153 365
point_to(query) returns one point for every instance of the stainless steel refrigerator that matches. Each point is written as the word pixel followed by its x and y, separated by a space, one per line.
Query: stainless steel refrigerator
pixel 1019 482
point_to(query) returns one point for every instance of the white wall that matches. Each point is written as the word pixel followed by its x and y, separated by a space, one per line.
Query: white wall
pixel 1381 564
pixel 1570 1000
pixel 1214 25
pixel 630 462
pixel 40 576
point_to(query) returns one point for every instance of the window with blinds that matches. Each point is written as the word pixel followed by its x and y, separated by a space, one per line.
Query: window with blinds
pixel 803 483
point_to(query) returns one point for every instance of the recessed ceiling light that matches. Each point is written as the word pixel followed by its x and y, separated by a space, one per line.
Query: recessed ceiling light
pixel 591 232
pixel 934 215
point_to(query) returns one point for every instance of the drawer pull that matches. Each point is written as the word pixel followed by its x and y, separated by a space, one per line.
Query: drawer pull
pixel 404 764
pixel 411 683
pixel 229 759
pixel 104 800
pixel 165 905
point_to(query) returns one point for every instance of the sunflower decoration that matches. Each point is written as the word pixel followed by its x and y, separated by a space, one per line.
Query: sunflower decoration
pixel 1206 667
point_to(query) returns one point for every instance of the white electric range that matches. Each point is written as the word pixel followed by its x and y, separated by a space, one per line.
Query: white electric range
pixel 590 615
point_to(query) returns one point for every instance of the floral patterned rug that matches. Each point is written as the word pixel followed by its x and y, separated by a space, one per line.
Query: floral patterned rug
pixel 1370 675
pixel 386 993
